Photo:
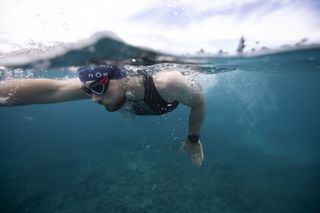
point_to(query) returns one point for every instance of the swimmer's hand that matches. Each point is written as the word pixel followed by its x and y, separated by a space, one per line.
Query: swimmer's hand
pixel 195 151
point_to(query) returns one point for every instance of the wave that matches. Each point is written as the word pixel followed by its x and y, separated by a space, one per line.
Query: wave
pixel 103 47
pixel 106 47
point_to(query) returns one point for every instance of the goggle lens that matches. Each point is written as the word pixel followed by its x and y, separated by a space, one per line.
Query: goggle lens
pixel 98 87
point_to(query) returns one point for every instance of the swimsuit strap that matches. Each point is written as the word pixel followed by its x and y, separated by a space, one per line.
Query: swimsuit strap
pixel 153 99
pixel 153 103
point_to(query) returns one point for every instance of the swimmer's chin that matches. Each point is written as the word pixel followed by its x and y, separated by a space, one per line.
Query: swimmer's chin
pixel 116 106
pixel 111 109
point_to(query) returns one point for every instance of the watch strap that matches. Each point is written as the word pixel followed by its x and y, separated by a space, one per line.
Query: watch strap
pixel 194 138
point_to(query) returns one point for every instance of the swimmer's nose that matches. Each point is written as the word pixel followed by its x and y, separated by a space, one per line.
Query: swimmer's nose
pixel 95 98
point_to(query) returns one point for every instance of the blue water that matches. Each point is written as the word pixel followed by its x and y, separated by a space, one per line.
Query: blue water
pixel 261 143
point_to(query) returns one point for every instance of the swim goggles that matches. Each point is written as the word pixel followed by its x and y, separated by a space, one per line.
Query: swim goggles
pixel 98 87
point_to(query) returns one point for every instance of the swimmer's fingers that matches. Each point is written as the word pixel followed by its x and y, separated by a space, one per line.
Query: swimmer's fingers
pixel 199 155
pixel 195 151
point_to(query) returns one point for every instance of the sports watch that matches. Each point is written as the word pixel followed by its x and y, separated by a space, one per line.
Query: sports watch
pixel 194 138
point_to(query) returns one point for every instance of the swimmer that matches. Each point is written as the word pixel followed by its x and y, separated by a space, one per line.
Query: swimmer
pixel 112 87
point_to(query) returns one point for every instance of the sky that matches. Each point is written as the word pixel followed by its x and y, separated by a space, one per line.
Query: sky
pixel 173 26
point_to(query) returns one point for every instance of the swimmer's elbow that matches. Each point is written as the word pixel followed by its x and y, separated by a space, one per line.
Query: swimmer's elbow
pixel 198 101
pixel 13 100
pixel 6 101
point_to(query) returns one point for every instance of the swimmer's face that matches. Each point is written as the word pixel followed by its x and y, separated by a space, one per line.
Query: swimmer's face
pixel 113 98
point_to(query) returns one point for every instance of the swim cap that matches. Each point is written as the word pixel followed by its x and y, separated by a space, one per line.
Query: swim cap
pixel 92 73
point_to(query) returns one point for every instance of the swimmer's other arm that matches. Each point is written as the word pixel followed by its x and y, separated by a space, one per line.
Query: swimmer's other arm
pixel 39 91
pixel 188 93
pixel 196 117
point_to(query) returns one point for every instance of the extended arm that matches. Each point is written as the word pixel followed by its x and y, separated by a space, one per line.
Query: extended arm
pixel 39 91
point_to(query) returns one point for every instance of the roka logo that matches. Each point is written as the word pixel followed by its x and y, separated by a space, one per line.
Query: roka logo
pixel 98 74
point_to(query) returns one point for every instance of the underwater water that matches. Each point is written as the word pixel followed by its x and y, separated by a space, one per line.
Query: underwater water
pixel 261 143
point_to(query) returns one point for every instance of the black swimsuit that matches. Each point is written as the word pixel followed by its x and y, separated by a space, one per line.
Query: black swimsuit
pixel 153 103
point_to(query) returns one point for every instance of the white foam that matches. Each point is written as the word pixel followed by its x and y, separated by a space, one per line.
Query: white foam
pixel 206 81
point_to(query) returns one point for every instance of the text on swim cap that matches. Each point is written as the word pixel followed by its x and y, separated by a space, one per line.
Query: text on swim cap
pixel 98 74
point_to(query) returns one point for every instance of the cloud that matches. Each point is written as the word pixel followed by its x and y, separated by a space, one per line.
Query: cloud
pixel 171 25
pixel 270 22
